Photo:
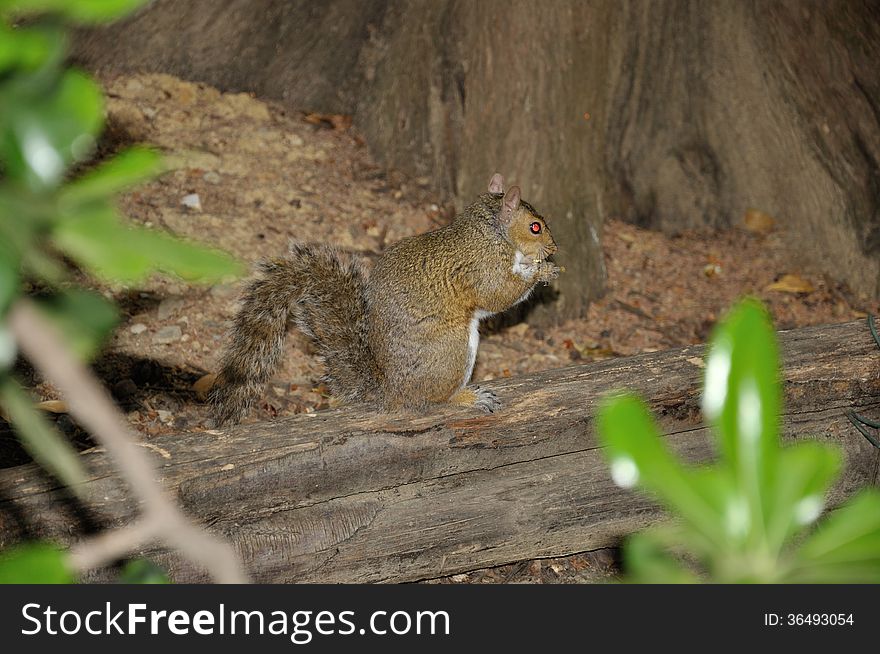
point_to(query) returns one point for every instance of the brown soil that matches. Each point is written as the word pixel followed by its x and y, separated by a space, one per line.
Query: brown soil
pixel 264 175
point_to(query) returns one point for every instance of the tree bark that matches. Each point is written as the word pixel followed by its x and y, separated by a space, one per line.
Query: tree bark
pixel 352 496
pixel 453 91
pixel 719 107
pixel 697 110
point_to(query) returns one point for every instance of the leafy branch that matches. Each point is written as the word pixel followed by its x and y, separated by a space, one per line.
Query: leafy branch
pixel 748 517
pixel 50 119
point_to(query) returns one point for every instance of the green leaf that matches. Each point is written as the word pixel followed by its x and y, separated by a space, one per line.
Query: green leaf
pixel 47 130
pixel 8 350
pixel 637 455
pixel 40 438
pixel 23 218
pixel 85 319
pixel 35 563
pixel 27 49
pixel 142 571
pixel 798 496
pixel 41 265
pixel 9 285
pixel 80 11
pixel 738 516
pixel 126 169
pixel 846 546
pixel 98 241
pixel 191 261
pixel 741 400
pixel 648 561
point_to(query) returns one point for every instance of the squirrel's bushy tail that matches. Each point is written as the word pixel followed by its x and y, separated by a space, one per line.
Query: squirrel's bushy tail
pixel 323 294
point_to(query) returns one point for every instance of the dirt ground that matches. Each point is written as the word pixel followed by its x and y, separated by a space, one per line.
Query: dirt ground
pixel 247 176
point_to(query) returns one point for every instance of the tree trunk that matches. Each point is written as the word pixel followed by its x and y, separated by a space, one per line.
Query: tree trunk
pixel 718 107
pixel 453 91
pixel 351 496
pixel 697 110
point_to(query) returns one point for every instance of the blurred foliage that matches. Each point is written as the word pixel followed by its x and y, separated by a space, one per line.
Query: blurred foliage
pixel 749 516
pixel 141 571
pixel 34 563
pixel 45 563
pixel 50 119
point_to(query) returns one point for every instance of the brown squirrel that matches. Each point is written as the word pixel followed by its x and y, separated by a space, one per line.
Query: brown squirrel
pixel 406 335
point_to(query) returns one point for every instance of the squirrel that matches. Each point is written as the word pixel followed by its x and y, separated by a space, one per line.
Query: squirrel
pixel 404 337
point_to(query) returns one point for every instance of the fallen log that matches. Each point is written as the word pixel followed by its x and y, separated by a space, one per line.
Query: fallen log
pixel 353 496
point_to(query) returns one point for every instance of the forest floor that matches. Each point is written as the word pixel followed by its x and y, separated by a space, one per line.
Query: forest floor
pixel 246 176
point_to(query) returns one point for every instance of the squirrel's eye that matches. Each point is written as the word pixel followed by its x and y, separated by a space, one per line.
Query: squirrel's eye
pixel 535 228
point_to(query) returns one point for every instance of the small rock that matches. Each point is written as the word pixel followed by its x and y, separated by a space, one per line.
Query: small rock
pixel 165 416
pixel 189 159
pixel 168 334
pixel 223 290
pixel 168 307
pixel 519 329
pixel 211 177
pixel 712 270
pixel 192 201
pixel 186 94
pixel 138 328
pixel 124 389
pixel 134 86
pixel 244 104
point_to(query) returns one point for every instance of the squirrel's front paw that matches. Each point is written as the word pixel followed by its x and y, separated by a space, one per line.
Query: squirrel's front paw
pixel 547 272
pixel 486 400
pixel 477 397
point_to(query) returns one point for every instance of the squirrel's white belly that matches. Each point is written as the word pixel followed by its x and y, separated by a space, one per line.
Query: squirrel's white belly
pixel 474 342
pixel 525 269
pixel 522 267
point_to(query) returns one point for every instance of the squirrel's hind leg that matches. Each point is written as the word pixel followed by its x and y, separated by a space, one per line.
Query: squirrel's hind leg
pixel 231 401
pixel 477 397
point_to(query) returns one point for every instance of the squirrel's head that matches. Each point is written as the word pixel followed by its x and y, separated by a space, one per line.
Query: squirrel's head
pixel 525 227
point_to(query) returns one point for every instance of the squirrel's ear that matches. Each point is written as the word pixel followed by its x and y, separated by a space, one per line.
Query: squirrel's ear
pixel 509 204
pixel 496 184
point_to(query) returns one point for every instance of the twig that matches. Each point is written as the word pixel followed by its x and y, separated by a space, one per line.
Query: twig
pixel 92 407
pixel 109 546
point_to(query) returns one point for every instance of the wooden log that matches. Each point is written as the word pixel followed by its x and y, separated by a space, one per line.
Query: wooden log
pixel 353 496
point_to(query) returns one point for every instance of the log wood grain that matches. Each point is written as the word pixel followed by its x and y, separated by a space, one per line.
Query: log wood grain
pixel 355 496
